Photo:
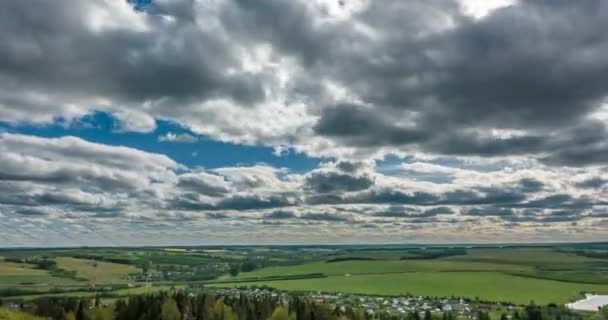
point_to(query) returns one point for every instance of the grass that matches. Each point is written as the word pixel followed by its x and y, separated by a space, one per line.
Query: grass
pixel 592 277
pixel 543 258
pixel 492 286
pixel 90 294
pixel 16 315
pixel 516 275
pixel 378 267
pixel 499 274
pixel 23 274
pixel 97 271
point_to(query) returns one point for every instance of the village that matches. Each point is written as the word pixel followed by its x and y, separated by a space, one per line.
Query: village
pixel 375 305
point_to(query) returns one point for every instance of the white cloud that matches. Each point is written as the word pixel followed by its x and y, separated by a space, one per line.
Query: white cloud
pixel 178 137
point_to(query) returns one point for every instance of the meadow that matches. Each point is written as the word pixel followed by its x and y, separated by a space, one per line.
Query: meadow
pixel 97 271
pixel 517 275
pixel 23 274
pixel 487 286
pixel 513 274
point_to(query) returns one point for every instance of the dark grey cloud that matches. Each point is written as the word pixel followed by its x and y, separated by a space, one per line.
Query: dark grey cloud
pixel 593 183
pixel 205 184
pixel 331 181
pixel 325 216
pixel 490 211
pixel 349 166
pixel 280 215
pixel 216 215
pixel 170 60
pixel 444 86
pixel 438 211
pixel 31 212
pixel 486 195
pixel 397 197
pixel 493 73
pixel 406 212
pixel 360 126
pixel 559 201
pixel 530 185
pixel 543 216
pixel 235 202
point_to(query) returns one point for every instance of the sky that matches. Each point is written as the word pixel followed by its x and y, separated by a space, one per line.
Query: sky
pixel 200 122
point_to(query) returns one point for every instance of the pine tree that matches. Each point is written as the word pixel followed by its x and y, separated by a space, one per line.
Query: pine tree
pixel 169 310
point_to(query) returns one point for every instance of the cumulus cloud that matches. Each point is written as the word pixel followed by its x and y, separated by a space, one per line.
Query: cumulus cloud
pixel 323 79
pixel 482 111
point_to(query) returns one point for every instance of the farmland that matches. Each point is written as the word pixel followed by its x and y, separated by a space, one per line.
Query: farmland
pixel 97 271
pixel 490 286
pixel 517 274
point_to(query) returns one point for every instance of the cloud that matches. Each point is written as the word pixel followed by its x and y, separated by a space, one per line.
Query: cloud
pixel 204 183
pixel 73 161
pixel 490 211
pixel 334 81
pixel 406 212
pixel 327 182
pixel 326 216
pixel 420 112
pixel 179 138
pixel 280 215
pixel 530 185
pixel 593 183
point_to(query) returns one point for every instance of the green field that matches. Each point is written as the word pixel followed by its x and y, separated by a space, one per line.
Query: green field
pixel 485 285
pixel 97 271
pixel 539 258
pixel 377 267
pixel 516 275
pixel 15 315
pixel 22 274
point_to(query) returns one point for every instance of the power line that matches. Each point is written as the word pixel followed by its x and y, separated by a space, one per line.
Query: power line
pixel 8 240
pixel 13 228
pixel 88 227
pixel 63 234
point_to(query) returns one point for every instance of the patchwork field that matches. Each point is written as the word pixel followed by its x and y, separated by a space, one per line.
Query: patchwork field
pixel 22 274
pixel 517 275
pixel 485 285
pixel 97 271
pixel 514 274
pixel 378 267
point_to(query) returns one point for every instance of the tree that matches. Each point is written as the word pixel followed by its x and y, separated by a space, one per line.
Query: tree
pixel 482 316
pixel 102 314
pixel 427 315
pixel 604 313
pixel 146 267
pixel 220 311
pixel 234 271
pixel 280 313
pixel 81 313
pixel 169 310
pixel 248 266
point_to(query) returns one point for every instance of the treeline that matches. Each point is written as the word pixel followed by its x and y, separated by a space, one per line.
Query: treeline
pixel 48 265
pixel 210 306
pixel 102 258
pixel 44 264
pixel 348 259
pixel 433 254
